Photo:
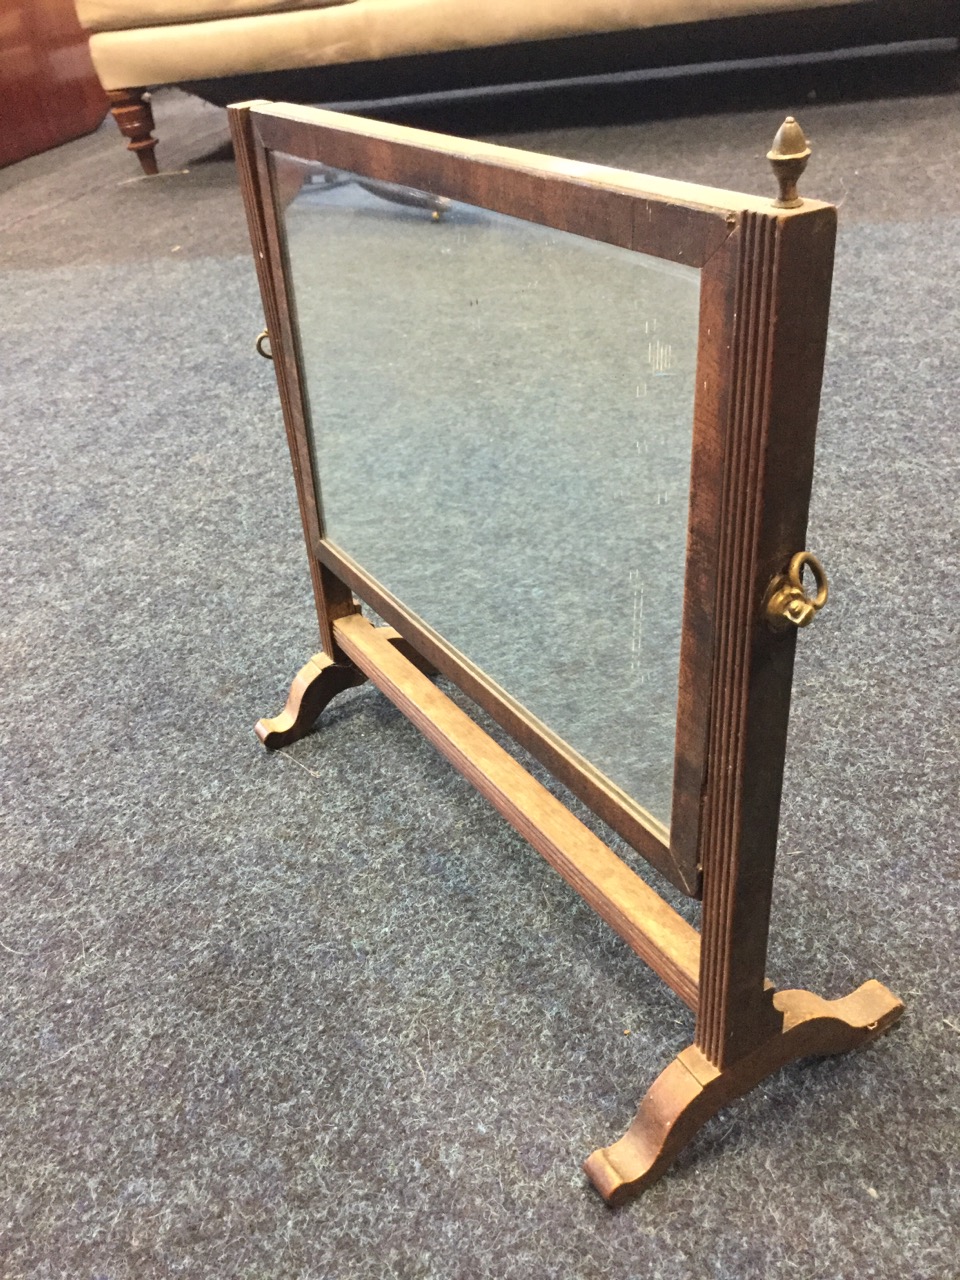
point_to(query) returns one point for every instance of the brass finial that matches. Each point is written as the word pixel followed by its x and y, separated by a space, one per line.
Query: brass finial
pixel 788 156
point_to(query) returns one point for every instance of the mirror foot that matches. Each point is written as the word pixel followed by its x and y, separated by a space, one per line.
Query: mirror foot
pixel 315 684
pixel 319 682
pixel 691 1090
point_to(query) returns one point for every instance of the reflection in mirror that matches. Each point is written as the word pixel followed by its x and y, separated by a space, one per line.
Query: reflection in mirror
pixel 501 419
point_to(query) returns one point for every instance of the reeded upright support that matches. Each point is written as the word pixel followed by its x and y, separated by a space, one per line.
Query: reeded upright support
pixel 134 116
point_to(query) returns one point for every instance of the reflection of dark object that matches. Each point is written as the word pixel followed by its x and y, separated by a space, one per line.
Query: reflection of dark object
pixel 392 191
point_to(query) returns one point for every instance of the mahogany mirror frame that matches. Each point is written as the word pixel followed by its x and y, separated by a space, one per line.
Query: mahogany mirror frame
pixel 765 274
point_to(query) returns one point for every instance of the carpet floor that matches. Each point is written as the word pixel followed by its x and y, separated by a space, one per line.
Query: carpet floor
pixel 320 1015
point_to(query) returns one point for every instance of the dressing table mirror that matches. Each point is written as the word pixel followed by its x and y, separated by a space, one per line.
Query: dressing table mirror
pixel 552 427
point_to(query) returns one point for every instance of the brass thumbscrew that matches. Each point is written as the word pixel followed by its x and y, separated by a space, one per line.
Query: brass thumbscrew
pixel 787 601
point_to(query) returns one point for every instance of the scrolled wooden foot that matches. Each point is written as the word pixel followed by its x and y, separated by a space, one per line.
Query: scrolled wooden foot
pixel 315 685
pixel 134 116
pixel 692 1090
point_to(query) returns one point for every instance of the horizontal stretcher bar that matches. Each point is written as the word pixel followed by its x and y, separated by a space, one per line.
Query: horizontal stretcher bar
pixel 657 933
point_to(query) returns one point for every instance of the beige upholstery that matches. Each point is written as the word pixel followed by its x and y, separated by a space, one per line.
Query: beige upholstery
pixel 365 30
pixel 119 15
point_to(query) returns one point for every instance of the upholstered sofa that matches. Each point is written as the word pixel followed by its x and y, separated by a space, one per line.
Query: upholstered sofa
pixel 248 48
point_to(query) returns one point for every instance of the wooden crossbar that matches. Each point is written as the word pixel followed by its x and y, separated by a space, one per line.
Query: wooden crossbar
pixel 654 930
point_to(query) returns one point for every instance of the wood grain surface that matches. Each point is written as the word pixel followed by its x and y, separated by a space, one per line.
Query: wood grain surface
pixel 49 91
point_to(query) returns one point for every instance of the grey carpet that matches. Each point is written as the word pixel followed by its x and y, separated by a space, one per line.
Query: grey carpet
pixel 321 1014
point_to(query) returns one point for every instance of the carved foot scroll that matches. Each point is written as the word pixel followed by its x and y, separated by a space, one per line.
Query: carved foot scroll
pixel 318 683
pixel 314 686
pixel 692 1090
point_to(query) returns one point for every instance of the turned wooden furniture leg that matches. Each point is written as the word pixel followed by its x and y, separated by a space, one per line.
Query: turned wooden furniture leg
pixel 134 116
pixel 692 1090
pixel 318 683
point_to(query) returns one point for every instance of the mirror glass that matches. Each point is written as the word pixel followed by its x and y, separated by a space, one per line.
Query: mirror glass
pixel 501 418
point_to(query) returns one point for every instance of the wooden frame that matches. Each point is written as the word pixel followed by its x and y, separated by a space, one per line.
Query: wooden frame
pixel 765 271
